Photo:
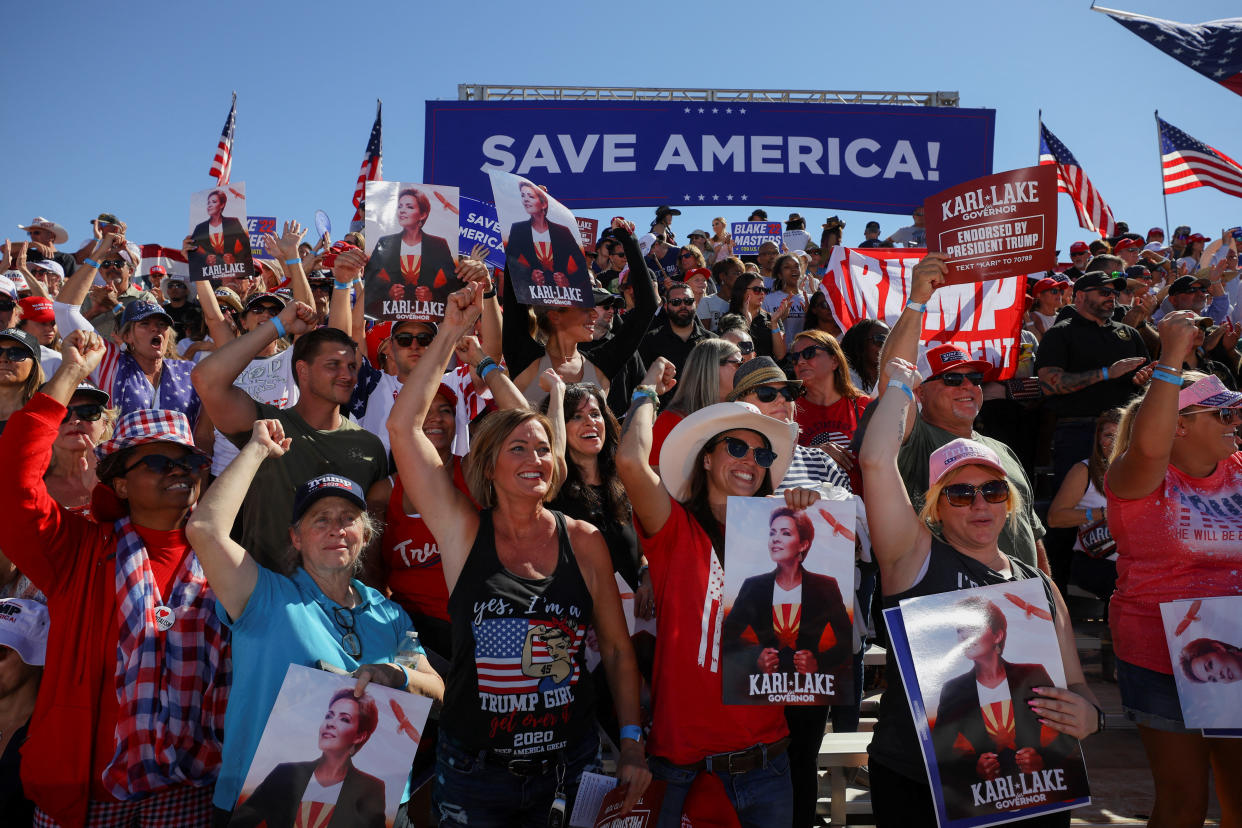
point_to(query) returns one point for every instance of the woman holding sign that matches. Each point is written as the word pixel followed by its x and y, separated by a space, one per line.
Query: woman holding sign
pixel 951 545
pixel 419 264
pixel 1172 491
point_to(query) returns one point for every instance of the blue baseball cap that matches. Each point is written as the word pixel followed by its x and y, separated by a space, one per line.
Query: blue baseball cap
pixel 139 310
pixel 327 485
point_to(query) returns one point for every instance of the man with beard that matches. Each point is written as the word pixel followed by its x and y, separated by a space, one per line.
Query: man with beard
pixel 680 331
pixel 1086 365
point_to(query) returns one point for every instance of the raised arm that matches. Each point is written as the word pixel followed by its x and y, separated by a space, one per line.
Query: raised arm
pixel 230 570
pixel 1142 466
pixel 346 274
pixel 520 348
pixel 651 501
pixel 285 249
pixel 898 540
pixel 610 358
pixel 213 317
pixel 232 409
pixel 448 513
pixel 74 290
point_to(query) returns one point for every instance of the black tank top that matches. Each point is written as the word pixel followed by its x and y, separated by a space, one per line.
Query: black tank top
pixel 895 742
pixel 515 685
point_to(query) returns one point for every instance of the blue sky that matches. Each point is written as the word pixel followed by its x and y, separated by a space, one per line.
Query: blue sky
pixel 121 107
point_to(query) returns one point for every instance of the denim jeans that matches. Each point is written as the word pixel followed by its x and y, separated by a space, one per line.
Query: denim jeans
pixel 470 791
pixel 762 797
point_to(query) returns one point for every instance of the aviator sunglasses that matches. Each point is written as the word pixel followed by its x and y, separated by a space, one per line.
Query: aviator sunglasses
pixel 963 494
pixel 737 447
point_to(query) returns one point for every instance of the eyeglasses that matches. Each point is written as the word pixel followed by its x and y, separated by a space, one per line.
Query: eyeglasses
pixel 15 354
pixel 162 464
pixel 677 303
pixel 735 360
pixel 1227 416
pixel 766 393
pixel 738 448
pixel 963 494
pixel 1107 292
pixel 270 310
pixel 746 347
pixel 954 380
pixel 116 264
pixel 349 639
pixel 5 307
pixel 878 339
pixel 88 413
pixel 405 339
pixel 757 289
pixel 805 353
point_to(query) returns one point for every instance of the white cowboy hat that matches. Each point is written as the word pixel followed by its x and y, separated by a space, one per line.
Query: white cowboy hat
pixel 682 446
pixel 59 234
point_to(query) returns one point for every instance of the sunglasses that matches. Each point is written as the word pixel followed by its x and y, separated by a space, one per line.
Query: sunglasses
pixel 1227 416
pixel 689 256
pixel 161 464
pixel 116 264
pixel 349 639
pixel 677 303
pixel 87 413
pixel 15 354
pixel 963 494
pixel 954 380
pixel 270 310
pixel 405 339
pixel 5 307
pixel 757 289
pixel 736 359
pixel 766 393
pixel 1107 292
pixel 746 347
pixel 878 339
pixel 738 448
pixel 806 353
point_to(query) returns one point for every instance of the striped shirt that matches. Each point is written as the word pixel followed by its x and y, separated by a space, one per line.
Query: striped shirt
pixel 812 467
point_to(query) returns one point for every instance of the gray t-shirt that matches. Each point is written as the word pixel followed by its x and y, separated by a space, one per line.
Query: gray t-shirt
pixel 1018 538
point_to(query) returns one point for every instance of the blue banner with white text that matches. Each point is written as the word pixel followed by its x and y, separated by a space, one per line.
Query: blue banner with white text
pixel 600 154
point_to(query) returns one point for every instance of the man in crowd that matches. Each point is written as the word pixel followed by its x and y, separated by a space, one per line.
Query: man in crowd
pixel 44 236
pixel 1192 293
pixel 178 305
pixel 871 235
pixel 795 236
pixel 1080 255
pixel 105 302
pixel 680 332
pixel 949 401
pixel 1128 250
pixel 912 235
pixel 768 251
pixel 377 390
pixel 662 226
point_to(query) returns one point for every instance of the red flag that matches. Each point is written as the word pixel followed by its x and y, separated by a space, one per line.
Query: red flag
pixel 222 164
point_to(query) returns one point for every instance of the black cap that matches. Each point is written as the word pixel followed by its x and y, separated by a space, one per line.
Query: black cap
pixel 665 210
pixel 604 298
pixel 26 339
pixel 1099 279
pixel 328 485
pixel 86 389
pixel 1186 284
pixel 265 297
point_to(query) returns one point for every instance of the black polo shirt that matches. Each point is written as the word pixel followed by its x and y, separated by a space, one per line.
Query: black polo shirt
pixel 664 342
pixel 1077 344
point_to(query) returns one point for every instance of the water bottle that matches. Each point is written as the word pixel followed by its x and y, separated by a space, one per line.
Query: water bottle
pixel 409 653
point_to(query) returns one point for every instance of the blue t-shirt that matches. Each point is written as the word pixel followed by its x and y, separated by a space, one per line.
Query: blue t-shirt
pixel 288 620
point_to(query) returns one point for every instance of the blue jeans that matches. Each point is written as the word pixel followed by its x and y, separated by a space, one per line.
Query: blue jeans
pixel 762 798
pixel 470 791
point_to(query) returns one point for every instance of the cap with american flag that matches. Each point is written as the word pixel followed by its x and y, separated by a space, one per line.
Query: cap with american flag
pixel 1187 163
pixel 1093 212
pixel 372 168
pixel 222 164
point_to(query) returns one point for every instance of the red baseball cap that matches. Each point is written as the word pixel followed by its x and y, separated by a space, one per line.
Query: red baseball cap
pixel 1079 247
pixel 697 271
pixel 1126 244
pixel 158 270
pixel 944 358
pixel 375 336
pixel 1047 283
pixel 37 309
pixel 1197 237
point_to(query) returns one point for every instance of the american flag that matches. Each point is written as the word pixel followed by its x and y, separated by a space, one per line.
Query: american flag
pixel 498 655
pixel 372 167
pixel 1189 163
pixel 222 164
pixel 173 261
pixel 1212 49
pixel 1093 213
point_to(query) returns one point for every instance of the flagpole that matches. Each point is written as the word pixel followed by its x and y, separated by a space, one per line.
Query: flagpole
pixel 1163 193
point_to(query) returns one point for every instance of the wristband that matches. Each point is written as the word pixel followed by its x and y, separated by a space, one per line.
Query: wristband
pixel 645 394
pixel 1165 376
pixel 89 262
pixel 118 307
pixel 1104 372
pixel 905 388
pixel 489 294
pixel 405 677
pixel 342 285
pixel 633 732
pixel 486 366
pixel 293 261
pixel 1090 514
pixel 279 326
pixel 918 307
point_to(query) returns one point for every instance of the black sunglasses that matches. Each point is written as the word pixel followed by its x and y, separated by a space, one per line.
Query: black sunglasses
pixel 273 310
pixel 113 263
pixel 1226 416
pixel 963 494
pixel 738 448
pixel 5 307
pixel 405 339
pixel 689 256
pixel 161 464
pixel 757 289
pixel 805 353
pixel 954 380
pixel 87 413
pixel 15 354
pixel 878 339
pixel 746 347
pixel 736 359
pixel 766 393
pixel 677 303
pixel 349 639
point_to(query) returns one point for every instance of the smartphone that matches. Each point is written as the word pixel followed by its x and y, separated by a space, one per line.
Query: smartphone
pixel 1236 232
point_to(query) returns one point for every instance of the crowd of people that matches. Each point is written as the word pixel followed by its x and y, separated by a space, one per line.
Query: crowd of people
pixel 211 481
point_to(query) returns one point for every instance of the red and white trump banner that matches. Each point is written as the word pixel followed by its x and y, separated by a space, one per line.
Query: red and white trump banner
pixel 983 318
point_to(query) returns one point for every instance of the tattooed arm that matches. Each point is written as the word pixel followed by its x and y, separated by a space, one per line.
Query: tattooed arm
pixel 1059 381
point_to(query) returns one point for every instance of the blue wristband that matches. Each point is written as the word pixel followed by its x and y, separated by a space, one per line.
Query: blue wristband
pixel 90 262
pixel 342 285
pixel 405 677
pixel 1165 376
pixel 633 732
pixel 895 384
pixel 1104 372
pixel 919 307
pixel 118 307
pixel 1090 514
pixel 293 261
pixel 487 369
pixel 279 326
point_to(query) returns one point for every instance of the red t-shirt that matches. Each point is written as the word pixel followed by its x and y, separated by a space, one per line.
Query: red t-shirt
pixel 1184 540
pixel 415 574
pixel 834 423
pixel 689 719
pixel 660 429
